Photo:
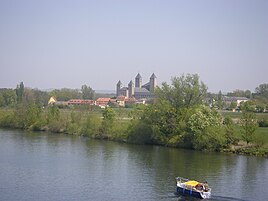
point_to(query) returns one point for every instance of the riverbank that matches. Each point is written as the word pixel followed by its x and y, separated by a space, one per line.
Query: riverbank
pixel 115 126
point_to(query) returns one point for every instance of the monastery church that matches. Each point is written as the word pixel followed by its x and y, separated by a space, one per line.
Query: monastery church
pixel 138 91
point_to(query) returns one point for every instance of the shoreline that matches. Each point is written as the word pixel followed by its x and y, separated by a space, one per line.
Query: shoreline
pixel 247 151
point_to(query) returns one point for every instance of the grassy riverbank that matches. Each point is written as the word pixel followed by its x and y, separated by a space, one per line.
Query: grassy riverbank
pixel 118 125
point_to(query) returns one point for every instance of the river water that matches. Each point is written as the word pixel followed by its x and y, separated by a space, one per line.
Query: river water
pixel 46 167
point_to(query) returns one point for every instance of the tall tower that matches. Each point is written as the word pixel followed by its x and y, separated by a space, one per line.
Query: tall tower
pixel 152 83
pixel 130 89
pixel 118 87
pixel 138 81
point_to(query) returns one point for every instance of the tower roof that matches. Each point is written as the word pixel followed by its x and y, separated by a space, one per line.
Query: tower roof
pixel 138 76
pixel 130 83
pixel 119 82
pixel 153 76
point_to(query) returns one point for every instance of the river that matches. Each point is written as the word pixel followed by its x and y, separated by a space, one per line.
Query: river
pixel 44 167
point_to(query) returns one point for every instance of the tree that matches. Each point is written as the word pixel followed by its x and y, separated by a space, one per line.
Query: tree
pixel 233 105
pixel 8 97
pixel 41 97
pixel 262 90
pixel 236 93
pixel 87 92
pixel 53 114
pixel 249 124
pixel 28 97
pixel 260 107
pixel 229 131
pixel 247 106
pixel 20 92
pixel 220 102
pixel 107 122
pixel 248 94
pixel 204 117
pixel 185 91
pixel 66 94
pixel 33 115
pixel 205 125
pixel 167 117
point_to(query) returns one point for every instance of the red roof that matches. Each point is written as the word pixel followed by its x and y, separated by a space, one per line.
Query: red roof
pixel 121 98
pixel 80 101
pixel 102 101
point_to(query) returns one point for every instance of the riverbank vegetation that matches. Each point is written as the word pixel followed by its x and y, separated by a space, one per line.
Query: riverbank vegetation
pixel 177 117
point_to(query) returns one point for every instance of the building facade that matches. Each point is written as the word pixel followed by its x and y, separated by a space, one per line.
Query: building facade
pixel 138 91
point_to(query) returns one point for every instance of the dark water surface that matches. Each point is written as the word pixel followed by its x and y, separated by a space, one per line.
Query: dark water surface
pixel 41 166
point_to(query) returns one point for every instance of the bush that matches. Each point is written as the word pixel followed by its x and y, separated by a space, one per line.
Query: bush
pixel 140 133
pixel 7 119
pixel 91 126
pixel 210 139
pixel 263 123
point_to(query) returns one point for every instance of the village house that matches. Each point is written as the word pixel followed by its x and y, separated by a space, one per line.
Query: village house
pixel 103 102
pixel 238 100
pixel 81 102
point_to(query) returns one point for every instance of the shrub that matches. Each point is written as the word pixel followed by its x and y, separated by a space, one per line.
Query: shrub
pixel 210 139
pixel 263 123
pixel 140 132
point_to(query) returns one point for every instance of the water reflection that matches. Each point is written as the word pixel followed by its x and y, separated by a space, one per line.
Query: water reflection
pixel 41 166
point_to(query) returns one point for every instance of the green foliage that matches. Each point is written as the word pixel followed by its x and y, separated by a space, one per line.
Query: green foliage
pixel 140 132
pixel 240 93
pixel 185 91
pixel 220 101
pixel 107 123
pixel 66 94
pixel 108 114
pixel 74 125
pixel 202 118
pixel 53 114
pixel 233 105
pixel 209 139
pixel 262 90
pixel 249 125
pixel 7 119
pixel 33 116
pixel 41 97
pixel 87 92
pixel 91 126
pixel 178 118
pixel 260 107
pixel 247 106
pixel 20 92
pixel 263 122
pixel 8 97
pixel 205 124
pixel 230 131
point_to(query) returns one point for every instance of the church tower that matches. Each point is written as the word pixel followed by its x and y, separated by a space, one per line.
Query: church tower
pixel 152 83
pixel 118 87
pixel 138 81
pixel 130 89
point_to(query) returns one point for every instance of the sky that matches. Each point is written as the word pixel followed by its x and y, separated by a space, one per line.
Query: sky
pixel 65 44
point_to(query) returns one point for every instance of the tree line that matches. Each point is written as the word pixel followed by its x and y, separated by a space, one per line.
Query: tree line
pixel 25 96
pixel 177 117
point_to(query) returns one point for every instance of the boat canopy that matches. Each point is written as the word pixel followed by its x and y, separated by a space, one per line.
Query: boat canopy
pixel 192 183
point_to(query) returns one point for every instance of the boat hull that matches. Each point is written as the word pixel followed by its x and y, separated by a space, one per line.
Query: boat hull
pixel 184 191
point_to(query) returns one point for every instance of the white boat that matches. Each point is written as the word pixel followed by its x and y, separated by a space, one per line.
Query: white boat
pixel 192 188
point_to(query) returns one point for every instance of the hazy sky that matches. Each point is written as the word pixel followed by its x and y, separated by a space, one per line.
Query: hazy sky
pixel 55 44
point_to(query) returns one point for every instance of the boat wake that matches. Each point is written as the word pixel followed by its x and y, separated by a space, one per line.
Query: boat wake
pixel 213 198
pixel 224 198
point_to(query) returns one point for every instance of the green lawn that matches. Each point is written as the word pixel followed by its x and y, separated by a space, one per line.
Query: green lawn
pixel 236 115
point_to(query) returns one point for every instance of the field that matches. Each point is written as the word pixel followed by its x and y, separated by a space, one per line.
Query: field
pixel 261 134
